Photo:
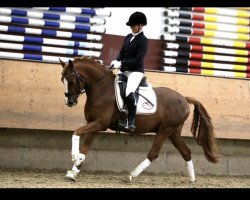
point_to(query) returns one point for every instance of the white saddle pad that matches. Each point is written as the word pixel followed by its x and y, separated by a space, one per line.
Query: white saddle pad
pixel 144 107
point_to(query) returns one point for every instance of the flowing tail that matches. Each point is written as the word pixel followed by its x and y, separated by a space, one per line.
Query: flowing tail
pixel 203 131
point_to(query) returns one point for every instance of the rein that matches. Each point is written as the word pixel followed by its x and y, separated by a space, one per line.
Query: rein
pixel 79 79
pixel 89 87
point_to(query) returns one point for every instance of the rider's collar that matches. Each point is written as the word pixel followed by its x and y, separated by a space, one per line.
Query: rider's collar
pixel 135 34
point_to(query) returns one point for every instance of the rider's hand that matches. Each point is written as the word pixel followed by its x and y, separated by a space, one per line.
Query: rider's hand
pixel 116 64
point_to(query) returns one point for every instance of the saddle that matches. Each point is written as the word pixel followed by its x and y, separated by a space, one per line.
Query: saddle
pixel 145 96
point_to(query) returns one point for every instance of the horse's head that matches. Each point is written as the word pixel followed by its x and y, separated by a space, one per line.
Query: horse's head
pixel 73 82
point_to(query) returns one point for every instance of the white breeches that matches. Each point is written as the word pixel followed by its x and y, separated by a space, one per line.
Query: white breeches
pixel 134 79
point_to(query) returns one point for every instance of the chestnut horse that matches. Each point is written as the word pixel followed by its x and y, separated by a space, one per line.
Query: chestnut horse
pixel 101 112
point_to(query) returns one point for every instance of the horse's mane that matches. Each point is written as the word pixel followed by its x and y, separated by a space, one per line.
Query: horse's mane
pixel 90 60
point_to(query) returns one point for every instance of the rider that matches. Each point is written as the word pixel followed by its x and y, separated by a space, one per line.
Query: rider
pixel 130 62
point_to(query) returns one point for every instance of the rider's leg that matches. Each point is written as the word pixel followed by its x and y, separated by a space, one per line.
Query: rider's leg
pixel 134 79
pixel 131 105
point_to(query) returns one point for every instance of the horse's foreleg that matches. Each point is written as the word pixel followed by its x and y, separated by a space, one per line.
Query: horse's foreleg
pixel 160 138
pixel 78 158
pixel 88 129
pixel 88 141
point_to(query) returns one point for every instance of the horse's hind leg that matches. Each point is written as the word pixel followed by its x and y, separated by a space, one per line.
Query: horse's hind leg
pixel 159 140
pixel 185 152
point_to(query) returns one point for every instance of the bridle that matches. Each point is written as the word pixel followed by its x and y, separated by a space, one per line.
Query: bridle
pixel 78 80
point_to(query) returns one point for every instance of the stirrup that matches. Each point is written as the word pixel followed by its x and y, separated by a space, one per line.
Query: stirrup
pixel 120 127
pixel 130 128
pixel 130 125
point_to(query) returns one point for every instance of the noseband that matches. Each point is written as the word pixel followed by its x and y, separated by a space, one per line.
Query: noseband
pixel 78 80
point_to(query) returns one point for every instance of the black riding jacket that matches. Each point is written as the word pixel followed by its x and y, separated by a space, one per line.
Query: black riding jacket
pixel 132 53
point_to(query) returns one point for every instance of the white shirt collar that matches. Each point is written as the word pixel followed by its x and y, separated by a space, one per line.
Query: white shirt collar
pixel 135 34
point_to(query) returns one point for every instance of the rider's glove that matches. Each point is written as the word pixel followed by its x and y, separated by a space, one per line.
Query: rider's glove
pixel 116 64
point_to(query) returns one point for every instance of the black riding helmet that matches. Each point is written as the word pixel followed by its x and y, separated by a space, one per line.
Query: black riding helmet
pixel 136 19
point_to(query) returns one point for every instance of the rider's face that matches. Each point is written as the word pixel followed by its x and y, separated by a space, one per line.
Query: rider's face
pixel 136 28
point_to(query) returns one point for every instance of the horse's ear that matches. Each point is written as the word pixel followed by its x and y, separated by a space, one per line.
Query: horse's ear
pixel 62 63
pixel 71 64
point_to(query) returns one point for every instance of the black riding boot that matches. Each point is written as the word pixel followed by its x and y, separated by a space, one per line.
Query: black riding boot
pixel 131 105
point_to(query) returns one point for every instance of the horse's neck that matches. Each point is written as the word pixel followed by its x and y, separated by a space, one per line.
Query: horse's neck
pixel 99 81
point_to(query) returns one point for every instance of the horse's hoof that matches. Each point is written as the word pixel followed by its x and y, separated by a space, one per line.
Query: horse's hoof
pixel 71 175
pixel 70 178
pixel 191 180
pixel 127 179
pixel 130 177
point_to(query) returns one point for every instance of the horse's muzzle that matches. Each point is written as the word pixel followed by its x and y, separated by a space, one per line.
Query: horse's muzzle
pixel 72 103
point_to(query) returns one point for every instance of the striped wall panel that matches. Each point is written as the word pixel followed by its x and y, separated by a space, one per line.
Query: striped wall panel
pixel 47 34
pixel 216 11
pixel 207 41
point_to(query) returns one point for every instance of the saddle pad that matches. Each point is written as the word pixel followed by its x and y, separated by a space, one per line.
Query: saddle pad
pixel 144 107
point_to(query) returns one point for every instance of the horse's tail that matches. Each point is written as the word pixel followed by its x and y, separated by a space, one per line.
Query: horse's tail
pixel 204 136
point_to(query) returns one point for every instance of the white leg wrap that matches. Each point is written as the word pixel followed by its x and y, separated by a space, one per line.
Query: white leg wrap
pixel 79 159
pixel 190 168
pixel 75 144
pixel 74 168
pixel 142 166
